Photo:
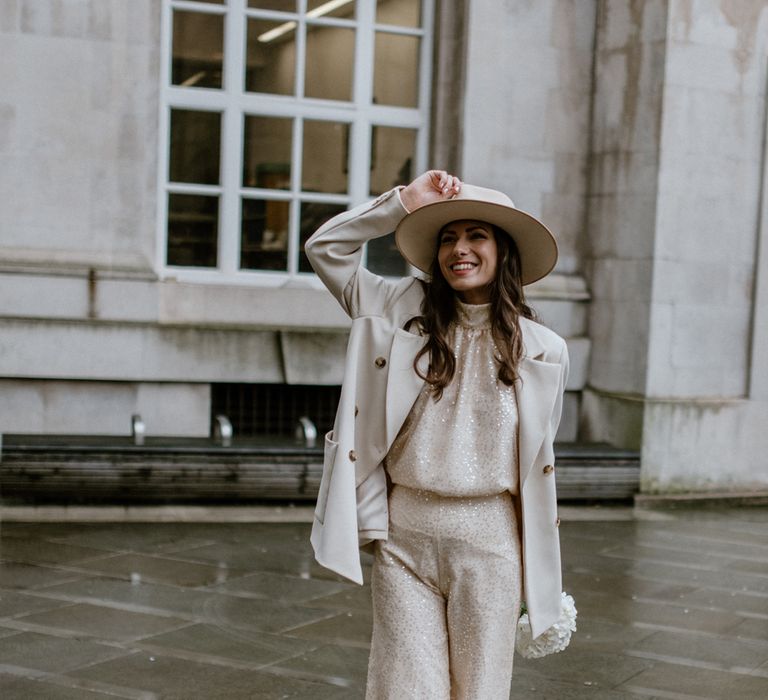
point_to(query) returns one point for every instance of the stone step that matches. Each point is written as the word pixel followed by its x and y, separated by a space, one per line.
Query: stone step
pixel 103 469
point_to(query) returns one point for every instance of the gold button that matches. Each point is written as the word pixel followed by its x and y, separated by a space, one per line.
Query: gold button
pixel 352 455
pixel 380 362
pixel 557 522
pixel 548 469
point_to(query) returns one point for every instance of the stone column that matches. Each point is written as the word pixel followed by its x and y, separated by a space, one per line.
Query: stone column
pixel 677 214
pixel 630 47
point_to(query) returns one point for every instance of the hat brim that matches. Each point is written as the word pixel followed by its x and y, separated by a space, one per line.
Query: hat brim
pixel 416 234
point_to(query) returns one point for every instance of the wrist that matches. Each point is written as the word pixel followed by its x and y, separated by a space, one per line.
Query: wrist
pixel 403 200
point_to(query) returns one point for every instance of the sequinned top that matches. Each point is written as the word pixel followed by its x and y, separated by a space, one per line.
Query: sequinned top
pixel 466 443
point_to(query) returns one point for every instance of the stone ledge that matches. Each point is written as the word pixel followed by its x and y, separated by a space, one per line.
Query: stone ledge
pixel 292 513
pixel 158 514
pixel 710 498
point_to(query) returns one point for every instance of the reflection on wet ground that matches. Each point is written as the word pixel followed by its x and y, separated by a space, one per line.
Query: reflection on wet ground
pixel 671 604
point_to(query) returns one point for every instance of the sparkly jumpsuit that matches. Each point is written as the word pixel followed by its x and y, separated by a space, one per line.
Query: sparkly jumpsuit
pixel 447 582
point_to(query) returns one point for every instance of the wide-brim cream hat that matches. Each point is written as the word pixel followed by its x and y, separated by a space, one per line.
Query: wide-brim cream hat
pixel 416 235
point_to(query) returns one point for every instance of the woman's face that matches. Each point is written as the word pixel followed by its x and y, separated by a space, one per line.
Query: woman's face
pixel 467 255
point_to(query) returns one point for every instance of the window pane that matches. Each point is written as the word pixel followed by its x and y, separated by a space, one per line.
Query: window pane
pixel 271 57
pixel 313 216
pixel 403 13
pixel 324 164
pixel 277 5
pixel 267 152
pixel 193 225
pixel 393 152
pixel 264 235
pixel 332 8
pixel 396 70
pixel 195 139
pixel 198 49
pixel 384 258
pixel 330 57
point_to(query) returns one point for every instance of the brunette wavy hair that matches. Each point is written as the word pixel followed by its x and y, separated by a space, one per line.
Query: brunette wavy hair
pixel 438 310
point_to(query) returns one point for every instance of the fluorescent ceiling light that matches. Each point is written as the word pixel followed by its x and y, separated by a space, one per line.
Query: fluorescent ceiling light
pixel 281 29
pixel 272 34
pixel 193 79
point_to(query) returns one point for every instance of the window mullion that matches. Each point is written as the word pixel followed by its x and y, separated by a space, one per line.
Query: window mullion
pixel 198 7
pixel 425 85
pixel 166 54
pixel 232 138
pixel 301 49
pixel 360 138
pixel 294 214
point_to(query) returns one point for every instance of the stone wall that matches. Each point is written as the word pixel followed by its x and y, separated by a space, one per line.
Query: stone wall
pixel 706 415
pixel 678 234
pixel 78 132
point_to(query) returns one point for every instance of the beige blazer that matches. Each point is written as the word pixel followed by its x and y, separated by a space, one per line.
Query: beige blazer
pixel 379 389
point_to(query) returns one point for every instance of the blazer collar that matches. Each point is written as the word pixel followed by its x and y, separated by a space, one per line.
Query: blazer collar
pixel 533 346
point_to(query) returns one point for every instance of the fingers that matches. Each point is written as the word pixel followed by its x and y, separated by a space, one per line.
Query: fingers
pixel 447 184
pixel 431 186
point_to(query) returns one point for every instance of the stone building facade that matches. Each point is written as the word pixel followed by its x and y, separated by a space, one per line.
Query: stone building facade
pixel 635 129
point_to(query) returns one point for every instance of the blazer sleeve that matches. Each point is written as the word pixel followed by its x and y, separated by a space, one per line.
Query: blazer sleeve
pixel 335 252
pixel 557 411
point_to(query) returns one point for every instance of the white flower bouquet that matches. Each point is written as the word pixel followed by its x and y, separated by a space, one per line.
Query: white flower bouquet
pixel 555 639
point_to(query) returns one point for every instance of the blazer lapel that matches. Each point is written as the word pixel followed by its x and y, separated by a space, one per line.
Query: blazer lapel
pixel 537 386
pixel 403 384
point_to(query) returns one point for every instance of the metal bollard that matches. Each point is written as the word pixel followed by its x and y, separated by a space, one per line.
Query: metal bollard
pixel 137 429
pixel 222 430
pixel 306 432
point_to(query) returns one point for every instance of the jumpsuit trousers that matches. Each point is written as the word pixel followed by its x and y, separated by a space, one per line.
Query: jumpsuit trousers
pixel 446 589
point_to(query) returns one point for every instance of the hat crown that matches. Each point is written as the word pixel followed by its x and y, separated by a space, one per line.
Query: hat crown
pixel 483 194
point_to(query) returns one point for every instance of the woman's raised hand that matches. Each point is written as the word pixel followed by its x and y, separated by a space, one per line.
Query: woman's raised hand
pixel 432 186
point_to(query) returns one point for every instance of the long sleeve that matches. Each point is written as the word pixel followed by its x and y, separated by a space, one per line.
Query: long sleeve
pixel 335 251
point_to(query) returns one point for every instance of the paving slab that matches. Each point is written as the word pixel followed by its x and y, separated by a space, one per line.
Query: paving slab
pixel 18 688
pixel 98 622
pixel 48 653
pixel 157 569
pixel 672 680
pixel 19 576
pixel 181 679
pixel 672 605
pixel 742 656
pixel 228 645
pixel 13 604
pixel 295 589
pixel 193 605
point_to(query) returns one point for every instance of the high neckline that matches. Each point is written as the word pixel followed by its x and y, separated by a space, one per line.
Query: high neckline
pixel 473 315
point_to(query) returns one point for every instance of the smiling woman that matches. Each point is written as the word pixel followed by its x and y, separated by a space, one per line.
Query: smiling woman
pixel 441 454
pixel 467 258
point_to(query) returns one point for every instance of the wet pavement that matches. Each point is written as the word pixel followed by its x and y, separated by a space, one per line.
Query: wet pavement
pixel 672 604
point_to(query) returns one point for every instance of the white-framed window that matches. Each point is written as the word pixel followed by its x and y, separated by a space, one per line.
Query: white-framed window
pixel 277 115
